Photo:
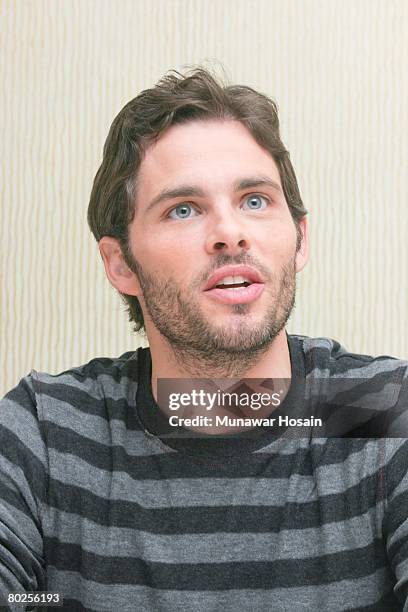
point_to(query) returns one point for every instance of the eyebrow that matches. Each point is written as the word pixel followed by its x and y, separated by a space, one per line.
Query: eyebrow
pixel 188 191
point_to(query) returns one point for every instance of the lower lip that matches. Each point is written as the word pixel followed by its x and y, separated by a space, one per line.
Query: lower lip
pixel 240 295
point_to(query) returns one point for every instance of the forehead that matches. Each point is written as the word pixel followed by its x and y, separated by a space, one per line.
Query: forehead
pixel 209 151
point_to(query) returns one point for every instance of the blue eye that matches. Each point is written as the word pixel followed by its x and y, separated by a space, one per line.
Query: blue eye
pixel 182 211
pixel 256 202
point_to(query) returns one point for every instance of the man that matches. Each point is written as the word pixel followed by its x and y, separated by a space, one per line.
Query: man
pixel 105 501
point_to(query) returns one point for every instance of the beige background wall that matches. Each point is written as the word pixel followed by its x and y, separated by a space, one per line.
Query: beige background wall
pixel 338 70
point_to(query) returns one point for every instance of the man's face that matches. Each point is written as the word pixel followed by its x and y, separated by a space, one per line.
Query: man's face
pixel 224 206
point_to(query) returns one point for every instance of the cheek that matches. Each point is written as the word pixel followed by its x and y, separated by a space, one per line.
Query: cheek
pixel 162 244
pixel 163 254
pixel 278 244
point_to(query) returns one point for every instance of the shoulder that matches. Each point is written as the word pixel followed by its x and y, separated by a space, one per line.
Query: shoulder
pixel 98 372
pixel 86 388
pixel 325 356
pixel 358 393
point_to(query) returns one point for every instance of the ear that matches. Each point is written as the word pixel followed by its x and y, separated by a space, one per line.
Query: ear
pixel 119 274
pixel 302 255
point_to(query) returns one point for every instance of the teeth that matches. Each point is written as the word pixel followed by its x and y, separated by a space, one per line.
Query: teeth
pixel 233 280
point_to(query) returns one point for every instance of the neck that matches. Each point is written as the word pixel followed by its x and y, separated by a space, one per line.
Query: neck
pixel 272 361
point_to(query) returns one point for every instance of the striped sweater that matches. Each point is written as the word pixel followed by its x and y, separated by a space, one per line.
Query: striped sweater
pixel 97 505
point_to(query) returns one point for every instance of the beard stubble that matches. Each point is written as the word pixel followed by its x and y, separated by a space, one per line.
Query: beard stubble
pixel 198 345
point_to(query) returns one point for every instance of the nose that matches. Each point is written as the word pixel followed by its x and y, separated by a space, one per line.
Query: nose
pixel 228 235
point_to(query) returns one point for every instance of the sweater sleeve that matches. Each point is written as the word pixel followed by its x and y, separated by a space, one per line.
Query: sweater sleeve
pixel 23 484
pixel 395 523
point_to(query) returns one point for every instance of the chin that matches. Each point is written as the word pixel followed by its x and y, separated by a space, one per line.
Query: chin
pixel 238 332
pixel 235 320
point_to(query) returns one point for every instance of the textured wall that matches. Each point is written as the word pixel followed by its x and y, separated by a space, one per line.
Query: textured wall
pixel 338 70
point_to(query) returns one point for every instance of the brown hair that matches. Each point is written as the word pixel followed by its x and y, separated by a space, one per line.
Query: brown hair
pixel 177 98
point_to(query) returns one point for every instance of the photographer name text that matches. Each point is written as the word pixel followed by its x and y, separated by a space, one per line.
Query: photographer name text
pixel 226 421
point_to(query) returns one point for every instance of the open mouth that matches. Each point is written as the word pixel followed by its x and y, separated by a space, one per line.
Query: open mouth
pixel 235 288
pixel 233 283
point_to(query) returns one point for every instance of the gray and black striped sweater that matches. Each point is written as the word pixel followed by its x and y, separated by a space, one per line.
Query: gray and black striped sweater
pixel 95 505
